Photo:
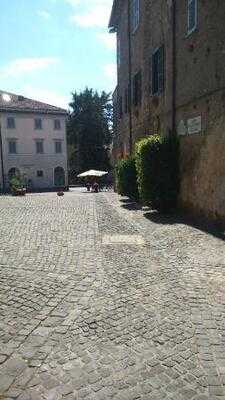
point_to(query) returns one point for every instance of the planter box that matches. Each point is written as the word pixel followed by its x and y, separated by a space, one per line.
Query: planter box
pixel 19 192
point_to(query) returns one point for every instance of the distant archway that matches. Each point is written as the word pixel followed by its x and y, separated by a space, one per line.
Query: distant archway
pixel 59 177
pixel 13 172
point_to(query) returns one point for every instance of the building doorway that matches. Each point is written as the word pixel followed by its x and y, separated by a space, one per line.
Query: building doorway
pixel 59 177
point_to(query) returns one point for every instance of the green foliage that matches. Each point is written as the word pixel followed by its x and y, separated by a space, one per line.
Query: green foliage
pixel 157 164
pixel 89 130
pixel 126 178
pixel 16 183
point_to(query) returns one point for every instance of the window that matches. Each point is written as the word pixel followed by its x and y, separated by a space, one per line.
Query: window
pixel 120 107
pixel 192 15
pixel 40 174
pixel 39 146
pixel 137 89
pixel 126 101
pixel 12 147
pixel 118 51
pixel 57 124
pixel 11 123
pixel 58 146
pixel 158 71
pixel 38 123
pixel 135 14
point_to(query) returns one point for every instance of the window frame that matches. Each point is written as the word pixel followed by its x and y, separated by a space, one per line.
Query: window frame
pixel 57 141
pixel 37 142
pixel 160 71
pixel 10 141
pixel 137 89
pixel 12 119
pixel 126 100
pixel 40 175
pixel 118 52
pixel 57 120
pixel 190 31
pixel 36 127
pixel 135 15
pixel 120 107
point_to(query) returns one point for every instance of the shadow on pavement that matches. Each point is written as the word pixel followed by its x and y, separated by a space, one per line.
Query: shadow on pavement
pixel 216 229
pixel 213 228
pixel 131 205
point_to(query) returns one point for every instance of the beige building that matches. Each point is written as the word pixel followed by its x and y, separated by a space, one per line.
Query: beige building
pixel 33 142
pixel 171 80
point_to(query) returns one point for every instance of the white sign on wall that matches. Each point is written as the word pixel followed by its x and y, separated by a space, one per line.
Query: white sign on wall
pixel 182 129
pixel 194 125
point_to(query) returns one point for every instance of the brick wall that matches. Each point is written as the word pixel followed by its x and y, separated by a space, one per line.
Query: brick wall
pixel 200 93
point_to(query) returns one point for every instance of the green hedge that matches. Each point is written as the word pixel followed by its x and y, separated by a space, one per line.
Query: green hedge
pixel 126 178
pixel 157 164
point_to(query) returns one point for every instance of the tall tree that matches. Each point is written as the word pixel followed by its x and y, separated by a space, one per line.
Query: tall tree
pixel 89 130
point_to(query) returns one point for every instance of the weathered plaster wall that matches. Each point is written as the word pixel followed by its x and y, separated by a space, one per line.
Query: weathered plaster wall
pixel 203 159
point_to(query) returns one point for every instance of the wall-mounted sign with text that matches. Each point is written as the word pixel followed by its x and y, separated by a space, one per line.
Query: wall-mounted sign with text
pixel 194 125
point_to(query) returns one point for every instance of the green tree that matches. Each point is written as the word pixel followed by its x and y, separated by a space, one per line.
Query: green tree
pixel 89 131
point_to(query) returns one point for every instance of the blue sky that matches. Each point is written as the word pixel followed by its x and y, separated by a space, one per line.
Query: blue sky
pixel 50 48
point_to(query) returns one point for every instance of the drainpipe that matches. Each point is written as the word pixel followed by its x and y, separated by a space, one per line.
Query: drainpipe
pixel 174 66
pixel 130 77
pixel 2 162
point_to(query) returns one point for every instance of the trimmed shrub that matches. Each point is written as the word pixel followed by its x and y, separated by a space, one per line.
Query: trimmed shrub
pixel 126 178
pixel 157 164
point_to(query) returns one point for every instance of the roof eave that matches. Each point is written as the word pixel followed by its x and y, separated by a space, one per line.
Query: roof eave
pixel 25 110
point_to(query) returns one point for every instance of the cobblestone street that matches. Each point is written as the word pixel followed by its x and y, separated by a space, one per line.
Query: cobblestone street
pixel 99 302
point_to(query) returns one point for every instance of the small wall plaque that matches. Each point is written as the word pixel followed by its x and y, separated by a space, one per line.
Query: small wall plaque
pixel 194 125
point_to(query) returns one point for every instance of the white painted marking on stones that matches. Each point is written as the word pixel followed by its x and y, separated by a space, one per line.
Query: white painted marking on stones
pixel 123 239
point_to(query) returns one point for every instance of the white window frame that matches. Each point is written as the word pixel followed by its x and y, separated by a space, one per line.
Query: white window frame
pixel 41 124
pixel 196 16
pixel 40 176
pixel 57 121
pixel 14 123
pixel 36 144
pixel 56 142
pixel 135 14
pixel 14 141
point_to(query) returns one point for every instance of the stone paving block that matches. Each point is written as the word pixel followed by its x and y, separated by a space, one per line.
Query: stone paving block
pixel 5 382
pixel 99 302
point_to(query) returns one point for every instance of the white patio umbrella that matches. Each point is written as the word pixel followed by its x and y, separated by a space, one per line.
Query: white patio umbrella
pixel 92 172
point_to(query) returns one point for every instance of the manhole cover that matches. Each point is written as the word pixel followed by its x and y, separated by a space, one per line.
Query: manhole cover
pixel 123 239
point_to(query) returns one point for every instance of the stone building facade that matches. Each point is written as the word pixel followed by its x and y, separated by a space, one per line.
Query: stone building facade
pixel 171 79
pixel 33 143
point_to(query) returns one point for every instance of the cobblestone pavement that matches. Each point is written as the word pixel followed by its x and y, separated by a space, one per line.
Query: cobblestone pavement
pixel 98 302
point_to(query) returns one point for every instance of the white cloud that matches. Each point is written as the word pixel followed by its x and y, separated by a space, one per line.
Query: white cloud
pixel 109 40
pixel 22 66
pixel 96 13
pixel 46 96
pixel 110 72
pixel 44 14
